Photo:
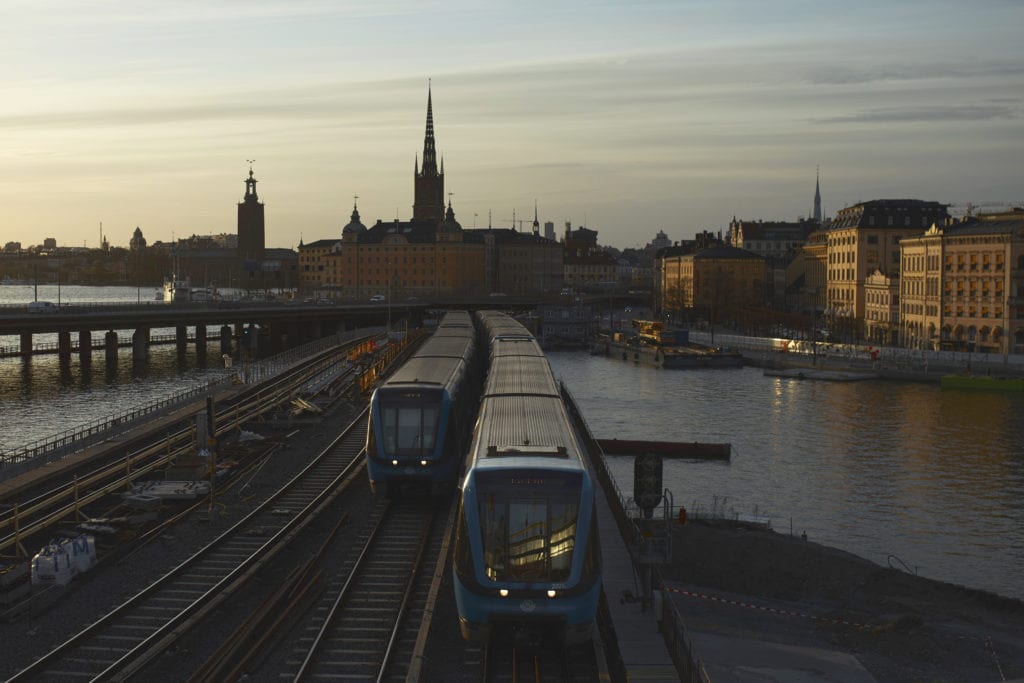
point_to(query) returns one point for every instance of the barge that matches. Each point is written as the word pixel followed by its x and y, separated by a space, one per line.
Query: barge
pixel 672 349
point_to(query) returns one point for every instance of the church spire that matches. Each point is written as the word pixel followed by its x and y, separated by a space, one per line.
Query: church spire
pixel 817 194
pixel 536 223
pixel 428 183
pixel 429 153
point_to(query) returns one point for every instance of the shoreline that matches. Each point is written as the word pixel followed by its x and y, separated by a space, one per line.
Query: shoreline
pixel 740 580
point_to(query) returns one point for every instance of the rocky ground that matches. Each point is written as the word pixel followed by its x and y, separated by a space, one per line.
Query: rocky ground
pixel 901 627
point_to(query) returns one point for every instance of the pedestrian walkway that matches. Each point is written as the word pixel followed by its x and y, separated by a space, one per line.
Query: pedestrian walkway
pixel 641 644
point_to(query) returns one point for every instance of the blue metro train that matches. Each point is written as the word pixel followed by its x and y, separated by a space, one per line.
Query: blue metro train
pixel 421 416
pixel 526 551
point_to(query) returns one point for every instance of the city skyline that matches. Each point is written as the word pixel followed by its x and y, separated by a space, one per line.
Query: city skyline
pixel 627 118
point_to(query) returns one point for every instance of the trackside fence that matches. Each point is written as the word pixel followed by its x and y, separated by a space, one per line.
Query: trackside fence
pixel 688 666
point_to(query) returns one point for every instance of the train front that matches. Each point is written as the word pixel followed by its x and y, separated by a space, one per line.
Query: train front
pixel 406 436
pixel 526 552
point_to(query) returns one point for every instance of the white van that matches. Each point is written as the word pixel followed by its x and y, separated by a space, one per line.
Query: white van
pixel 42 307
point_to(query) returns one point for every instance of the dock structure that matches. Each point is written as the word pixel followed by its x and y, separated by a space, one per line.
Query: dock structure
pixel 667 449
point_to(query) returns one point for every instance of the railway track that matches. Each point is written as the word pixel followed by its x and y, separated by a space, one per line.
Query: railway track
pixel 66 498
pixel 362 620
pixel 121 643
pixel 507 658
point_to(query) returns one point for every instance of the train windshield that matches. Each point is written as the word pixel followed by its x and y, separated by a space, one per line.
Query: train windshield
pixel 528 520
pixel 409 423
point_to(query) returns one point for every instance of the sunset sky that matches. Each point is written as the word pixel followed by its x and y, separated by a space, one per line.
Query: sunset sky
pixel 629 117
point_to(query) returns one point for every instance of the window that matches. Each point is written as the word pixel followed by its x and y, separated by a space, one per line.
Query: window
pixel 872 239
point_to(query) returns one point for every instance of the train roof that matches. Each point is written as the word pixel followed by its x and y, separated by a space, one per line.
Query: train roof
pixel 512 429
pixel 457 318
pixel 427 370
pixel 515 346
pixel 446 347
pixel 527 375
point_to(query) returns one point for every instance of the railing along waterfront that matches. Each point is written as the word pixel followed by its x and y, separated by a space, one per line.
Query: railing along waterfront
pixel 57 446
pixel 49 449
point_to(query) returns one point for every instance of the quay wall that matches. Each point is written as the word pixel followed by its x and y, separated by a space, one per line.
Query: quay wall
pixel 888 362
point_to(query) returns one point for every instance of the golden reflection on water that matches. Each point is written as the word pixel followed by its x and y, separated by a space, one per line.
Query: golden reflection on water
pixel 934 477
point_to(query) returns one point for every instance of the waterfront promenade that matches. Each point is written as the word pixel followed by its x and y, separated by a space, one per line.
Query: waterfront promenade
pixel 887 362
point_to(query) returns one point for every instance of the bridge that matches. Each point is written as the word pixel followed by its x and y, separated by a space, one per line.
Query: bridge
pixel 264 326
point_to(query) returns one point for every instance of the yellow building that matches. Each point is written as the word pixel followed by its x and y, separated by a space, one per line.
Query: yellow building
pixel 865 238
pixel 715 281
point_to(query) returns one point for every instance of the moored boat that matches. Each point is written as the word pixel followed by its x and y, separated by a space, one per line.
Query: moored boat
pixel 670 349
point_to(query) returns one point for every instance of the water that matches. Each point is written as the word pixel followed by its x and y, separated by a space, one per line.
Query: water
pixel 876 468
pixel 39 397
pixel 934 477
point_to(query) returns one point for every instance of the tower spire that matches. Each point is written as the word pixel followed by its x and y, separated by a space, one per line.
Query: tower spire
pixel 536 223
pixel 429 152
pixel 427 182
pixel 817 194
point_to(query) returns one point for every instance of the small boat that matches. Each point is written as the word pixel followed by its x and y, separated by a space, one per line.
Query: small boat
pixel 983 383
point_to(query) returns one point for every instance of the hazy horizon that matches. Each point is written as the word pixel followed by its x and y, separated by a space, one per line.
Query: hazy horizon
pixel 626 117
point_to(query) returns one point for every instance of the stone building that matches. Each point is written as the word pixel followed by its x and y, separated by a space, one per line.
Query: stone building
pixel 710 281
pixel 962 285
pixel 865 238
pixel 431 256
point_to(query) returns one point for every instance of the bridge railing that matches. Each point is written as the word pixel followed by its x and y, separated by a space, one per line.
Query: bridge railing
pixel 44 347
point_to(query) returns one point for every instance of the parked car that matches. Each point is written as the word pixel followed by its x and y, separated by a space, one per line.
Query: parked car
pixel 377 299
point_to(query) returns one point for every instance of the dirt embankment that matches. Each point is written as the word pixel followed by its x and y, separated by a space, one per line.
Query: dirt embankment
pixel 900 626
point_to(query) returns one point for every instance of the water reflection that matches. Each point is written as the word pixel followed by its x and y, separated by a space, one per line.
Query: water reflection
pixel 878 468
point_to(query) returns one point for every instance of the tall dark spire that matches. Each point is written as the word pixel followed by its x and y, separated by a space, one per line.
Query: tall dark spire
pixel 817 195
pixel 428 182
pixel 536 223
pixel 429 153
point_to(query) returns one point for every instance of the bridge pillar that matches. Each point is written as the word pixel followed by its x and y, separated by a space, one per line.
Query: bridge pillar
pixel 110 343
pixel 26 344
pixel 140 343
pixel 278 338
pixel 181 339
pixel 84 346
pixel 225 339
pixel 64 346
pixel 201 340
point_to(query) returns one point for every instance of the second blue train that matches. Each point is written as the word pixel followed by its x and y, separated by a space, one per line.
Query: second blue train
pixel 421 416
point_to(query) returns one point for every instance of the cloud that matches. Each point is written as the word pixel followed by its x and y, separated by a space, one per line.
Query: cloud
pixel 843 74
pixel 980 112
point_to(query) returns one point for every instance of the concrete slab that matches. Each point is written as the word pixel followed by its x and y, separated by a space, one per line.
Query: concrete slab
pixel 728 659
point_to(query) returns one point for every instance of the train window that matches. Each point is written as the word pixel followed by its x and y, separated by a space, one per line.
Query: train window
pixel 409 429
pixel 529 534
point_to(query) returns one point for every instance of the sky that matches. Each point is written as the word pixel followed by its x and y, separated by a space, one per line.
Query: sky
pixel 626 117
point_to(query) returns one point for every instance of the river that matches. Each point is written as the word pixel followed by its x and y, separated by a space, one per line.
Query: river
pixel 934 478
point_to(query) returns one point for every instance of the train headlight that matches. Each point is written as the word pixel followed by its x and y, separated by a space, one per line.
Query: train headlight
pixel 503 592
pixel 552 594
pixel 423 462
pixel 394 462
